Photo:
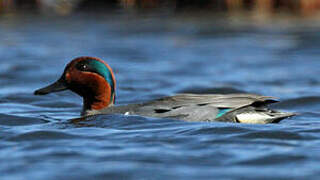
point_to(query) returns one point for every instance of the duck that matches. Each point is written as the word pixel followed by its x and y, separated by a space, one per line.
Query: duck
pixel 93 80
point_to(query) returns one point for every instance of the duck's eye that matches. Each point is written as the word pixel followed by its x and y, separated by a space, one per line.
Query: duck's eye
pixel 82 67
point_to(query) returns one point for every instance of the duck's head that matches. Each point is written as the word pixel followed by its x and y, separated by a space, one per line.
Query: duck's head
pixel 89 77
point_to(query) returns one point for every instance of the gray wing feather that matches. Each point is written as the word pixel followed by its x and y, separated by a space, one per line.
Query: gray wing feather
pixel 215 100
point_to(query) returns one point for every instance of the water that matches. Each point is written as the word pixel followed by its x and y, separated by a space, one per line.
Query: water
pixel 154 57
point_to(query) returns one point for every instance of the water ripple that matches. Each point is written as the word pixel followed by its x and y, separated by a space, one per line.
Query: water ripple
pixel 41 137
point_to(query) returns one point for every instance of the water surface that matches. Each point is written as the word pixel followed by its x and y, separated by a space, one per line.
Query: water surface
pixel 154 57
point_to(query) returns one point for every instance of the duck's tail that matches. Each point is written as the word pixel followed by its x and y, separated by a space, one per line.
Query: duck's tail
pixel 255 115
pixel 262 117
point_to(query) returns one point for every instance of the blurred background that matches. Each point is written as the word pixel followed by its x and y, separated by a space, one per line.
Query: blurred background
pixel 159 48
pixel 65 7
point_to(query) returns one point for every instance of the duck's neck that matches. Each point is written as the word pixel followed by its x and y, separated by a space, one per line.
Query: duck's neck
pixel 96 103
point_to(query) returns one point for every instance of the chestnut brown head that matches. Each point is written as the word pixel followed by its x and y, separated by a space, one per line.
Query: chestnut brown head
pixel 89 77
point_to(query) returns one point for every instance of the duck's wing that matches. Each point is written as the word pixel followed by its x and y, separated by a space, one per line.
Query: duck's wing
pixel 200 107
pixel 214 100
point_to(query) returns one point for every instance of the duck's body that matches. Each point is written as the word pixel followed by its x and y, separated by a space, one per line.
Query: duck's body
pixel 93 79
pixel 241 108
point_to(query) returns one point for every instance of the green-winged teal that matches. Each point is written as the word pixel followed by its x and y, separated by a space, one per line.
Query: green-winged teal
pixel 94 81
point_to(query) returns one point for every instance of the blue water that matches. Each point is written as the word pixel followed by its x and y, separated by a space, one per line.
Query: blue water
pixel 155 56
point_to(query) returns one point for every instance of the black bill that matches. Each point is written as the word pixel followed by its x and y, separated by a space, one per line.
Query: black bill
pixel 55 87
